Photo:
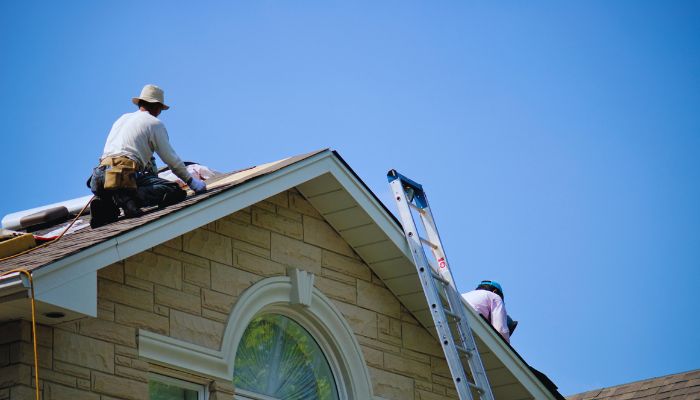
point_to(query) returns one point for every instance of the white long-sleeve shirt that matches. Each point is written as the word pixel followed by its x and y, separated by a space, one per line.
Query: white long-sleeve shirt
pixel 491 306
pixel 137 135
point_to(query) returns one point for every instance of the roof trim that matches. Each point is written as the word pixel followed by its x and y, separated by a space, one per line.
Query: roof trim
pixel 55 277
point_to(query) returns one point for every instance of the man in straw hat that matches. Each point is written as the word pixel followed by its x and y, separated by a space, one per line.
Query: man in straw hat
pixel 127 177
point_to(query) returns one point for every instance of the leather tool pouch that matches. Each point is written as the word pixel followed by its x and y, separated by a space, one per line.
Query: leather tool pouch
pixel 120 173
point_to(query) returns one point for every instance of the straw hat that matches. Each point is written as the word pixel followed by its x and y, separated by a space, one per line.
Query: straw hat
pixel 151 94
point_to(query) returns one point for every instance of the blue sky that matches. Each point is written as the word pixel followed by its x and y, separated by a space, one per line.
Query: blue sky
pixel 559 141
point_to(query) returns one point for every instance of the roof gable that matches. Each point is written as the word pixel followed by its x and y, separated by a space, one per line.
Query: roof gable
pixel 65 272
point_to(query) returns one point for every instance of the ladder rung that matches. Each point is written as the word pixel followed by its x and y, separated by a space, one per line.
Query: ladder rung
pixel 464 350
pixel 415 207
pixel 453 315
pixel 475 386
pixel 429 243
pixel 440 279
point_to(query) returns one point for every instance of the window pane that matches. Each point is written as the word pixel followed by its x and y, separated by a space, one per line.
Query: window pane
pixel 163 391
pixel 278 358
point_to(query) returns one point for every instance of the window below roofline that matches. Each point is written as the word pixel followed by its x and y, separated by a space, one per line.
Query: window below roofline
pixel 293 296
pixel 190 388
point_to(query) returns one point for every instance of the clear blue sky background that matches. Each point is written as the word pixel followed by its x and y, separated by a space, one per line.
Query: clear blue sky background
pixel 559 141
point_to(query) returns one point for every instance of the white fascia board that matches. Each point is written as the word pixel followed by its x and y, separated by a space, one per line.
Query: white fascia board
pixel 83 265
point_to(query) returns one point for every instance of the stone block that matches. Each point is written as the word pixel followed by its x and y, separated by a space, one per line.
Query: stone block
pixel 176 299
pixel 185 258
pixel 277 223
pixel 214 315
pixel 439 366
pixel 258 265
pixel 196 329
pixel 251 248
pixel 373 357
pixel 131 373
pixel 231 281
pixel 338 276
pixel 280 199
pixel 174 243
pixel 53 391
pixel 217 301
pixel 15 331
pixel 336 290
pixel 56 377
pixel 4 355
pixel 285 212
pixel 191 289
pixel 298 203
pixel 379 345
pixel 378 299
pixel 295 253
pixel 122 294
pixel 210 245
pixel 390 385
pixel 417 338
pixel 427 395
pixel 244 232
pixel 126 351
pixel 197 275
pixel 155 268
pixel 362 321
pixel 346 265
pixel 139 283
pixel 389 329
pixel 84 351
pixel 17 374
pixel 407 366
pixel 22 392
pixel 122 388
pixel 22 352
pixel 83 383
pixel 319 233
pixel 114 272
pixel 141 319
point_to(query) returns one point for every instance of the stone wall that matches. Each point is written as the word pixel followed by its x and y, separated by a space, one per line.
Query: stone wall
pixel 186 288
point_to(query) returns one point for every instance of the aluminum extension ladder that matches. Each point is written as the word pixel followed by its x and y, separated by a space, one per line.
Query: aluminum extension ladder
pixel 445 302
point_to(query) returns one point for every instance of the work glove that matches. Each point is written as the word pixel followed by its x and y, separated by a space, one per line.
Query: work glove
pixel 197 185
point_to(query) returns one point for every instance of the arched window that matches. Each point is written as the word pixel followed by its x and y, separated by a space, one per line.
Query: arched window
pixel 278 358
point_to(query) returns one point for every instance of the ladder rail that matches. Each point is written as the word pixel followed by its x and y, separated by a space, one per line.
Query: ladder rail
pixel 437 281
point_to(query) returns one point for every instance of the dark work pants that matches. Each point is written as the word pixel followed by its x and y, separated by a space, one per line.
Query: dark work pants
pixel 151 190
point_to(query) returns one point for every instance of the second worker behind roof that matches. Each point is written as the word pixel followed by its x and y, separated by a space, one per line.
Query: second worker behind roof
pixel 487 300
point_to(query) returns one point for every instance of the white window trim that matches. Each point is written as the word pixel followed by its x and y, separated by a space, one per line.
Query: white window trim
pixel 272 295
pixel 202 392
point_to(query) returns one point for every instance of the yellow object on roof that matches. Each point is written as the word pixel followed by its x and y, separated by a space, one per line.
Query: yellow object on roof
pixel 16 243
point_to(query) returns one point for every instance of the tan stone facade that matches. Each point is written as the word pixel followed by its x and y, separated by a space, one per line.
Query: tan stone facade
pixel 186 289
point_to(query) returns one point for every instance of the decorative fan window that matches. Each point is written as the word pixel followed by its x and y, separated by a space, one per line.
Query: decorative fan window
pixel 279 359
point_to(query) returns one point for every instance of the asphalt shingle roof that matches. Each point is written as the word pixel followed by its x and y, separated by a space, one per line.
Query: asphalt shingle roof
pixel 683 386
pixel 85 238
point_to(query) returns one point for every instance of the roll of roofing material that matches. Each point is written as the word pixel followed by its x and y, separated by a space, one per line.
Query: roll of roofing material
pixel 12 221
pixel 45 217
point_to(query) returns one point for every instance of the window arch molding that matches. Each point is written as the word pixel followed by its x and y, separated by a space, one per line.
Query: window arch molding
pixel 293 296
pixel 281 295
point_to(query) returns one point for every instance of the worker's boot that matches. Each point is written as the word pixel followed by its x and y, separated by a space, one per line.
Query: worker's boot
pixel 102 212
pixel 172 197
pixel 131 209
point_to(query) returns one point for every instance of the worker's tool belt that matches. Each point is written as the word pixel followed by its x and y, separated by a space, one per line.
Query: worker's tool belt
pixel 120 172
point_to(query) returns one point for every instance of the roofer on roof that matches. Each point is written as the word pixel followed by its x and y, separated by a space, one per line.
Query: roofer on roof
pixel 487 300
pixel 127 176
